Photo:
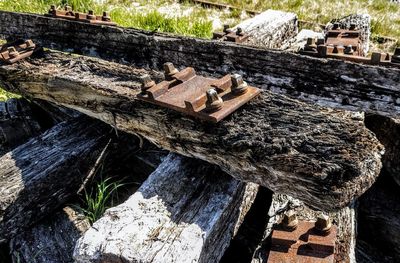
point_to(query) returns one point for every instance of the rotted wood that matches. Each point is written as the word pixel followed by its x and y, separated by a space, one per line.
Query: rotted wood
pixel 344 219
pixel 42 174
pixel 18 123
pixel 53 239
pixel 186 211
pixel 327 82
pixel 387 131
pixel 268 141
pixel 378 221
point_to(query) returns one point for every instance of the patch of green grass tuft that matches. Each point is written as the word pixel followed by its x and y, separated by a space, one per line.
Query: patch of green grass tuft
pixel 5 95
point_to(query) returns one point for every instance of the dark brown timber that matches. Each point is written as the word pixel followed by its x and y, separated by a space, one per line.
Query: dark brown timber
pixel 327 82
pixel 323 157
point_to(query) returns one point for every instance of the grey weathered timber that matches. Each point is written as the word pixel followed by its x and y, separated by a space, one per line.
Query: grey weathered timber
pixel 51 241
pixel 270 29
pixel 42 174
pixel 18 123
pixel 186 211
pixel 378 221
pixel 387 131
pixel 323 157
pixel 325 82
pixel 344 219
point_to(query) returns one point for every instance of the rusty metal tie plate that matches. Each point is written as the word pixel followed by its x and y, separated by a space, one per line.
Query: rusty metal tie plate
pixel 237 36
pixel 302 245
pixel 68 14
pixel 186 92
pixel 17 50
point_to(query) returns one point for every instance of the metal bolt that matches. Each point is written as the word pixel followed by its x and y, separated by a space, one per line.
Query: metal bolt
pixel 323 224
pixel 310 45
pixel 169 69
pixel 320 41
pixel 290 220
pixel 353 27
pixel 214 101
pixel 106 17
pixel 12 52
pixel 349 50
pixel 239 31
pixel 147 82
pixel 226 29
pixel 91 15
pixel 67 8
pixel 29 44
pixel 239 86
pixel 336 26
pixel 376 57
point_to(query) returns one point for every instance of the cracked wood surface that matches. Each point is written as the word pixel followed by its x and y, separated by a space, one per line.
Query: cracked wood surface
pixel 323 157
pixel 186 211
pixel 326 82
pixel 42 174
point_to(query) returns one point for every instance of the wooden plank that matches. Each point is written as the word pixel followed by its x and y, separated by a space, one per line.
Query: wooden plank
pixel 323 157
pixel 42 174
pixel 186 211
pixel 327 82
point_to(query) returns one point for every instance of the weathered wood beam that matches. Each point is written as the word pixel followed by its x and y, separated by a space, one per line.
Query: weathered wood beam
pixel 42 174
pixel 18 123
pixel 323 157
pixel 186 211
pixel 326 82
pixel 344 219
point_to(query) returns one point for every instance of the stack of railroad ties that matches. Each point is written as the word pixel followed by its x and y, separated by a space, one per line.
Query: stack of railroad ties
pixel 345 44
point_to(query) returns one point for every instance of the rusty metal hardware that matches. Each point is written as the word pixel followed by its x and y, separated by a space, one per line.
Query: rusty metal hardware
pixel 15 51
pixel 90 17
pixel 346 45
pixel 237 36
pixel 204 98
pixel 305 243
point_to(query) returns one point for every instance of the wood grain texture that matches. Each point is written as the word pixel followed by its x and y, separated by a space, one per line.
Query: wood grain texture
pixel 18 123
pixel 344 219
pixel 325 82
pixel 42 174
pixel 324 157
pixel 186 211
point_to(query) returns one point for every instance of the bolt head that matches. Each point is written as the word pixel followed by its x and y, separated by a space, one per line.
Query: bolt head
pixel 320 41
pixel 239 86
pixel 12 52
pixel 67 8
pixel 214 101
pixel 147 82
pixel 290 220
pixel 226 28
pixel 353 27
pixel 29 44
pixel 169 69
pixel 323 223
pixel 239 31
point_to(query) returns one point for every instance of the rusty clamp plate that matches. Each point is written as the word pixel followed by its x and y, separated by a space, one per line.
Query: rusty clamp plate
pixel 90 17
pixel 228 35
pixel 204 98
pixel 17 50
pixel 303 244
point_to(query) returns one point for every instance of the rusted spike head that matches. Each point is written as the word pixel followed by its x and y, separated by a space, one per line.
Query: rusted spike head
pixel 226 28
pixel 320 41
pixel 67 8
pixel 12 52
pixel 376 57
pixel 336 26
pixel 310 41
pixel 239 31
pixel 29 44
pixel 147 82
pixel 214 101
pixel 290 220
pixel 323 223
pixel 353 27
pixel 238 85
pixel 90 12
pixel 106 16
pixel 349 50
pixel 52 7
pixel 169 69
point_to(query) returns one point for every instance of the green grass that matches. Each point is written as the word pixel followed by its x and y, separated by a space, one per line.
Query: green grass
pixel 101 197
pixel 4 95
pixel 385 15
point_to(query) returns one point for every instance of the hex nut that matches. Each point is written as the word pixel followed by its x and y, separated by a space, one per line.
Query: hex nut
pixel 310 45
pixel 323 224
pixel 12 52
pixel 91 15
pixel 169 69
pixel 106 17
pixel 349 50
pixel 29 44
pixel 239 86
pixel 214 101
pixel 290 221
pixel 147 82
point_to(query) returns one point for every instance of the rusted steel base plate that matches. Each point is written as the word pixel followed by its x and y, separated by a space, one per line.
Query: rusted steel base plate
pixel 302 245
pixel 20 49
pixel 189 96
